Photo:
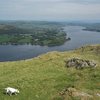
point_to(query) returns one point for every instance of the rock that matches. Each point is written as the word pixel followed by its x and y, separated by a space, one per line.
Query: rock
pixel 72 92
pixel 92 64
pixel 80 63
pixel 98 94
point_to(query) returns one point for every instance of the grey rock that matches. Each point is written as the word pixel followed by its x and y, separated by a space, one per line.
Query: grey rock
pixel 80 63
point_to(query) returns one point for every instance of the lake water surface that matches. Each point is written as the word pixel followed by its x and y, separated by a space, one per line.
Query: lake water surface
pixel 77 35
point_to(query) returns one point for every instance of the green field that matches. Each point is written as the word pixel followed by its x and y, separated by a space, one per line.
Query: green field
pixel 44 77
pixel 35 33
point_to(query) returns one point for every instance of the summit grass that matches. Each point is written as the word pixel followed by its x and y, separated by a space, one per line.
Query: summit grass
pixel 44 77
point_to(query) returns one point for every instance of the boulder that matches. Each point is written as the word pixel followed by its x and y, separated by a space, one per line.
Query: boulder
pixel 80 63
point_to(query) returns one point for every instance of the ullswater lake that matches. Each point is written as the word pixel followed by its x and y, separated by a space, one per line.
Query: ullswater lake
pixel 78 37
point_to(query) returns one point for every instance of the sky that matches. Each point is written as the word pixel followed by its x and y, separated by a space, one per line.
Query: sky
pixel 50 10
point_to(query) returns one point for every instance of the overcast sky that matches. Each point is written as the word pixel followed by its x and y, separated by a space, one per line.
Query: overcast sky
pixel 58 10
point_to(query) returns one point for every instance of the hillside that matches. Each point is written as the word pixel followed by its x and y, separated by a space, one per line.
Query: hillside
pixel 87 26
pixel 93 27
pixel 34 33
pixel 46 76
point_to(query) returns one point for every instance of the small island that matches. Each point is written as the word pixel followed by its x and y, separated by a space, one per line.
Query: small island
pixel 35 33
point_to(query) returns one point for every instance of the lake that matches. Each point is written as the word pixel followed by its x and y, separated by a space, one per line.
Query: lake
pixel 78 37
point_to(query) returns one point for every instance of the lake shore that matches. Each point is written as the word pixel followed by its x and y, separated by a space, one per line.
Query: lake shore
pixel 78 38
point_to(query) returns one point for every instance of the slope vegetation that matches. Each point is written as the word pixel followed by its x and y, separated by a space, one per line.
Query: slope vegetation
pixel 44 77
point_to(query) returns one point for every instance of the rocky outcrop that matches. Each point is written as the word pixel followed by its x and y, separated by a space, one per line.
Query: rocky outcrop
pixel 72 92
pixel 80 63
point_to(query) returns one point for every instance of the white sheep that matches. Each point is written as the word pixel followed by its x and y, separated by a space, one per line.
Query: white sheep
pixel 11 91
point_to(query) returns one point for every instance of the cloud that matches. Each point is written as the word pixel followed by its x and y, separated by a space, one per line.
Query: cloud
pixel 82 1
pixel 50 9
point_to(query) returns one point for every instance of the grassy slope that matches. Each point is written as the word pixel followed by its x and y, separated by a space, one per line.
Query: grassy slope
pixel 42 78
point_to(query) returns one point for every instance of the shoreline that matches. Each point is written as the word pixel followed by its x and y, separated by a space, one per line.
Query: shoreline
pixel 84 46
